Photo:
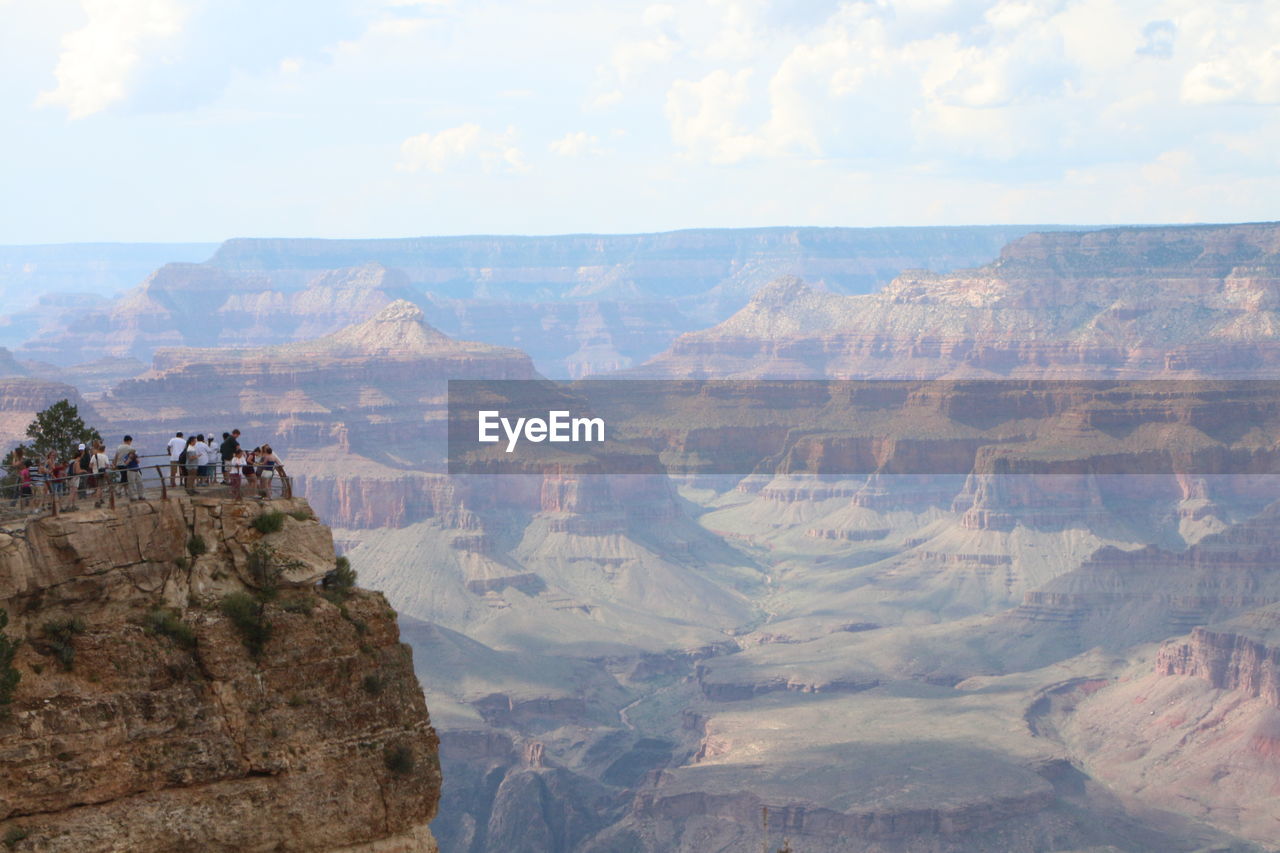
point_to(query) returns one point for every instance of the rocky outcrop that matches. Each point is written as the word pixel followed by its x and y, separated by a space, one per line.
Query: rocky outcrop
pixel 1242 655
pixel 148 717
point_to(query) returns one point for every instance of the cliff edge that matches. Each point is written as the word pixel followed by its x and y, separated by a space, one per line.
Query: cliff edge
pixel 186 684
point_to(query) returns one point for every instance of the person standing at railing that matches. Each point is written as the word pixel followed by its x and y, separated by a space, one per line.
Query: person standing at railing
pixel 39 483
pixel 227 450
pixel 268 465
pixel 251 469
pixel 126 462
pixel 86 470
pixel 190 465
pixel 100 467
pixel 56 472
pixel 234 469
pixel 202 456
pixel 26 485
pixel 76 476
pixel 176 444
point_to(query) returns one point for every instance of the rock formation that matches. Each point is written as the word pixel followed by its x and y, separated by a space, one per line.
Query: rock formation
pixel 1187 301
pixel 577 304
pixel 185 686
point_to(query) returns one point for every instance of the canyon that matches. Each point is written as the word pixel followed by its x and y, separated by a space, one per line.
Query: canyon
pixel 946 626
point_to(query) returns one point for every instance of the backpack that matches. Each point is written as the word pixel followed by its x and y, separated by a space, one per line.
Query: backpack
pixel 182 457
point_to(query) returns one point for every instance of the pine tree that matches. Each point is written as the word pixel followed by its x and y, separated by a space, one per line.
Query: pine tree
pixel 58 428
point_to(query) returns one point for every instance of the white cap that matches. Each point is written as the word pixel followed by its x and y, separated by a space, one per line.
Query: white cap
pixel 81 447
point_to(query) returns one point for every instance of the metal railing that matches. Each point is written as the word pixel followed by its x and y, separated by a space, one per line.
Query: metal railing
pixel 57 495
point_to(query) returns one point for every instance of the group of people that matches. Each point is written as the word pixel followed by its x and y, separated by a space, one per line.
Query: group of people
pixel 195 460
pixel 85 474
pixel 91 469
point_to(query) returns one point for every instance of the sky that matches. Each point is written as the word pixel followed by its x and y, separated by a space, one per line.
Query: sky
pixel 200 120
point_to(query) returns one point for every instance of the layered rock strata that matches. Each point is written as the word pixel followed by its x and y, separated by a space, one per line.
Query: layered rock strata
pixel 146 720
pixel 1196 300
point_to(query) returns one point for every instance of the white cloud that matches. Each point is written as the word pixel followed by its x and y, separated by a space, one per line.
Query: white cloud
pixel 1232 52
pixel 99 60
pixel 458 147
pixel 576 144
pixel 605 100
pixel 704 116
pixel 1242 76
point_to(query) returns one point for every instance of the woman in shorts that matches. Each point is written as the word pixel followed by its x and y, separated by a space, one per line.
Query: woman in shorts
pixel 235 468
pixel 251 470
pixel 268 462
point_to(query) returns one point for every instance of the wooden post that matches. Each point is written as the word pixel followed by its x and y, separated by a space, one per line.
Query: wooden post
pixel 164 487
pixel 53 497
pixel 111 488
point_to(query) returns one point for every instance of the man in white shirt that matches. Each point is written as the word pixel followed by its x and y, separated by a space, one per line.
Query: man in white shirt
pixel 202 456
pixel 175 450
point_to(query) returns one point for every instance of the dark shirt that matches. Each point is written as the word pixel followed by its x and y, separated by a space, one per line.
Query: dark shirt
pixel 228 448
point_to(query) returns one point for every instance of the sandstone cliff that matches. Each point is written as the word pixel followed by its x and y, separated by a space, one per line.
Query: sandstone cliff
pixel 153 715
pixel 1241 655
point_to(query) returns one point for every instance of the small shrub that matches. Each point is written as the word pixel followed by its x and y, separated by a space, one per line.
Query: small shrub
pixel 373 684
pixel 60 637
pixel 9 675
pixel 361 626
pixel 196 546
pixel 339 581
pixel 266 567
pixel 15 834
pixel 302 604
pixel 182 563
pixel 165 623
pixel 301 515
pixel 296 701
pixel 249 616
pixel 269 522
pixel 399 760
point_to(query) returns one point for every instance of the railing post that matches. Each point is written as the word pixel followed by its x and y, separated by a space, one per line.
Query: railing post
pixel 111 488
pixel 53 497
pixel 164 487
